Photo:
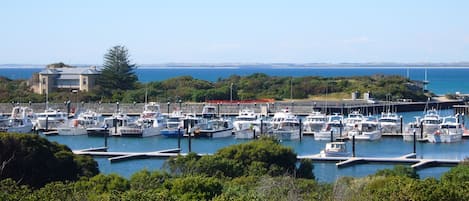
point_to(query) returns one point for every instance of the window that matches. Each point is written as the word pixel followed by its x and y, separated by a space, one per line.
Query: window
pixel 43 80
pixel 84 81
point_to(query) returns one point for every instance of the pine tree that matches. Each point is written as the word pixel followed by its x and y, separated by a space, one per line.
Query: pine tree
pixel 118 73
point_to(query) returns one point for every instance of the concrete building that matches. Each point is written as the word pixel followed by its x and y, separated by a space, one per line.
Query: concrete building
pixel 69 78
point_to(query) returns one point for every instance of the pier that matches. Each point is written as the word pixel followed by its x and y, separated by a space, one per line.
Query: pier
pixel 341 162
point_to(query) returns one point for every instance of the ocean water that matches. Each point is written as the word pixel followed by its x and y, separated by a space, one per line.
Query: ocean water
pixel 442 80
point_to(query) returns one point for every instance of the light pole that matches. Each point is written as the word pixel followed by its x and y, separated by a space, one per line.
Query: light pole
pixel 168 106
pixel 75 91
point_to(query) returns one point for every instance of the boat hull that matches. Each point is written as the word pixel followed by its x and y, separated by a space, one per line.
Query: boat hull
pixel 370 136
pixel 326 136
pixel 49 125
pixel 97 132
pixel 71 131
pixel 214 133
pixel 20 129
pixel 390 128
pixel 244 134
pixel 444 138
pixel 286 135
pixel 312 128
pixel 173 133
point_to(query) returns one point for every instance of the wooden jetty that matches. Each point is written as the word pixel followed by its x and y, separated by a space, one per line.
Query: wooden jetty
pixel 340 161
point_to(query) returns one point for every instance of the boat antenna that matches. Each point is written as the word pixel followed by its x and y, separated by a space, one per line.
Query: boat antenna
pixel 426 105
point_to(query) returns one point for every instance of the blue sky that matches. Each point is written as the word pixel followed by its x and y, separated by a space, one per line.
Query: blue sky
pixel 81 31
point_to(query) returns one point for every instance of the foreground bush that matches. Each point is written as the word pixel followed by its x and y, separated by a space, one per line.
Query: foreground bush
pixel 34 161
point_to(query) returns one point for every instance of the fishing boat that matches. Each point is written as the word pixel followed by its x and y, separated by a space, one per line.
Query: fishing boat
pixel 314 122
pixel 50 119
pixel 174 125
pixel 333 127
pixel 390 122
pixel 367 129
pixel 431 121
pixel 285 126
pixel 450 130
pixel 335 149
pixel 246 123
pixel 411 128
pixel 150 123
pixel 111 126
pixel 209 112
pixel 79 125
pixel 20 120
pixel 353 119
pixel 214 128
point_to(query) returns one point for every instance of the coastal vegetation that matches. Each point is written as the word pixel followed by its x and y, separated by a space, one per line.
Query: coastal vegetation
pixel 118 73
pixel 34 161
pixel 256 170
pixel 237 88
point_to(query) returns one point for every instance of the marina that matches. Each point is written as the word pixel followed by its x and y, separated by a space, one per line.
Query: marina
pixel 125 155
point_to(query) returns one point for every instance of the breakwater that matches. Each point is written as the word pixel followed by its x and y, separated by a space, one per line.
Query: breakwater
pixel 299 107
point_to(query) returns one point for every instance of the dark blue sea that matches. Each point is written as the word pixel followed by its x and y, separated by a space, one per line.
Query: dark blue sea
pixel 442 81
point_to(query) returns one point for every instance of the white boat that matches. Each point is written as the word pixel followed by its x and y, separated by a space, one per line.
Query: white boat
pixel 209 112
pixel 314 122
pixel 214 128
pixel 111 126
pixel 335 149
pixel 50 119
pixel 150 110
pixel 20 120
pixel 174 125
pixel 412 127
pixel 431 122
pixel 79 125
pixel 285 126
pixel 367 129
pixel 352 121
pixel 150 123
pixel 390 122
pixel 246 123
pixel 450 131
pixel 334 125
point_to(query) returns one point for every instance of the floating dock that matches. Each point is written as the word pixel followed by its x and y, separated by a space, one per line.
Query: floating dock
pixel 123 156
pixel 416 163
pixel 341 162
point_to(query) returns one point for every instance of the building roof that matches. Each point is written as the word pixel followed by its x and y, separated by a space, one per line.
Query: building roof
pixel 74 71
